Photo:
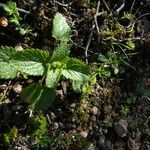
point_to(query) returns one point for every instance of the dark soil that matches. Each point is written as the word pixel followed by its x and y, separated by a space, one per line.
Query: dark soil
pixel 115 116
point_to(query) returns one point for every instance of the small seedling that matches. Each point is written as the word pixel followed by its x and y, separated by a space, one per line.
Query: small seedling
pixel 125 110
pixel 52 67
pixel 15 18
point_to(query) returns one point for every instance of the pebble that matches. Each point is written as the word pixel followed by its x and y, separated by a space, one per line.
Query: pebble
pixel 102 141
pixel 17 88
pixel 84 133
pixel 121 127
pixel 91 147
pixel 73 105
pixel 107 109
pixel 105 131
pixel 107 119
pixel 109 144
pixel 52 115
pixel 55 125
pixel 94 110
pixel 93 118
pixel 70 125
pixel 61 125
pixel 18 47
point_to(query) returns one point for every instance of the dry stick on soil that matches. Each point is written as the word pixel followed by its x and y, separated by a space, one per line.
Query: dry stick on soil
pixel 62 4
pixel 88 44
pixel 106 5
pixel 24 11
pixel 111 12
pixel 92 30
pixel 19 9
pixel 132 6
pixel 95 17
pixel 121 7
pixel 132 24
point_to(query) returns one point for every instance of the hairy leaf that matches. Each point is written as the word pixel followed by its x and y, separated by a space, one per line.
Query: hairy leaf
pixel 77 85
pixel 7 70
pixel 35 55
pixel 60 52
pixel 29 67
pixel 61 30
pixel 76 70
pixel 53 77
pixel 38 96
pixel 6 53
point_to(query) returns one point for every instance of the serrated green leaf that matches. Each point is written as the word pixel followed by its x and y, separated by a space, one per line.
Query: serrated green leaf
pixel 77 85
pixel 35 55
pixel 61 30
pixel 6 53
pixel 29 67
pixel 76 70
pixel 60 52
pixel 74 75
pixel 53 76
pixel 38 96
pixel 7 70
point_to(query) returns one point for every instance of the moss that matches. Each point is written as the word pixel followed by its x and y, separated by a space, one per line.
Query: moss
pixel 10 136
pixel 37 129
pixel 37 126
pixel 81 114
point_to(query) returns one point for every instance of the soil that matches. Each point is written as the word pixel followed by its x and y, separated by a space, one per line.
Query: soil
pixel 115 115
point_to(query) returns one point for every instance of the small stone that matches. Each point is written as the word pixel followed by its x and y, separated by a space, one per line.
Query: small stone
pixel 107 119
pixel 46 48
pixel 94 110
pixel 102 141
pixel 121 128
pixel 55 125
pixel 84 133
pixel 17 88
pixel 73 105
pixel 61 125
pixel 93 118
pixel 105 131
pixel 107 109
pixel 18 47
pixel 109 144
pixel 71 125
pixel 3 86
pixel 16 107
pixel 52 115
pixel 91 147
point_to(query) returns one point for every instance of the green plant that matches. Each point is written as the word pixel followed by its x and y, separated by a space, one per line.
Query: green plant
pixel 11 10
pixel 125 110
pixel 10 136
pixel 37 130
pixel 69 141
pixel 51 66
pixel 81 112
pixel 143 90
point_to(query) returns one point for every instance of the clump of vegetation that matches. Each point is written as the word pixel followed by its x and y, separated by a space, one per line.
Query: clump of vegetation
pixel 51 66
pixel 10 136
pixel 71 141
pixel 15 18
pixel 37 131
pixel 81 112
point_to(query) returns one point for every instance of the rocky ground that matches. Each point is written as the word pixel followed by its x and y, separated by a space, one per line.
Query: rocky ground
pixel 115 115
